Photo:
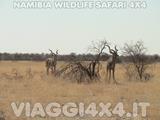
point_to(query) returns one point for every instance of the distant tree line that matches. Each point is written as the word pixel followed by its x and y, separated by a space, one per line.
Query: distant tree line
pixel 69 57
pixel 43 56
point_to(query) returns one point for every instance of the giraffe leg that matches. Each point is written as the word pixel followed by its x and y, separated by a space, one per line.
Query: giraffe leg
pixel 113 74
pixel 106 74
pixel 109 80
pixel 47 70
pixel 52 70
pixel 55 68
pixel 114 77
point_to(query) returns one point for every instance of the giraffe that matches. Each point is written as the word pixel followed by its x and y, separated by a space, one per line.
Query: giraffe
pixel 51 62
pixel 111 63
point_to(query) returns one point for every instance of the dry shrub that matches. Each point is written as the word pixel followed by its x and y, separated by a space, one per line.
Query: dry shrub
pixel 2 116
pixel 13 75
pixel 6 76
pixel 29 73
pixel 16 74
pixel 42 75
pixel 77 71
pixel 132 74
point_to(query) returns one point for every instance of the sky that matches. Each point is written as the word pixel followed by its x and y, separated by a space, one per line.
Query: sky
pixel 73 30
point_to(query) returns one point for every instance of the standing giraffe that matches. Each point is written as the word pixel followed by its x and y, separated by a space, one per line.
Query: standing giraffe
pixel 111 63
pixel 52 62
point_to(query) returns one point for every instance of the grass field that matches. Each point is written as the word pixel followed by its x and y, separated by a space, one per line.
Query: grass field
pixel 27 82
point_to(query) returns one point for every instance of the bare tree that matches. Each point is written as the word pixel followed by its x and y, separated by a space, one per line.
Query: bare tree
pixel 94 65
pixel 52 62
pixel 111 63
pixel 82 71
pixel 136 54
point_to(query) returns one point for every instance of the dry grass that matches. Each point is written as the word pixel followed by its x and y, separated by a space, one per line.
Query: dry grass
pixel 27 82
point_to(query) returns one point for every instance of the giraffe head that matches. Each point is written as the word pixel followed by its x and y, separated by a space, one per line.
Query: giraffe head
pixel 116 51
pixel 53 54
pixel 113 52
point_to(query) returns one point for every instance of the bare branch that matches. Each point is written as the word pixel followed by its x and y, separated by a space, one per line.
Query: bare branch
pixel 57 52
pixel 116 49
pixel 110 50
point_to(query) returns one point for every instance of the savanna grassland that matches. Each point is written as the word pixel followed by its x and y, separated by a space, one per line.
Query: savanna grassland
pixel 26 81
